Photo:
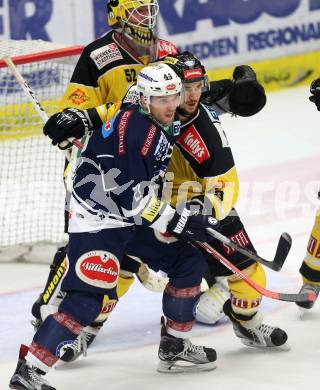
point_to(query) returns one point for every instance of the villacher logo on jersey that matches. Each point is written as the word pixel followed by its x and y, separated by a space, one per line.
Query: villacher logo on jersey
pixel 99 269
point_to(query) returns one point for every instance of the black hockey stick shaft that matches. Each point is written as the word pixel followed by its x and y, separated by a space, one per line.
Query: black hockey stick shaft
pixel 276 264
pixel 299 297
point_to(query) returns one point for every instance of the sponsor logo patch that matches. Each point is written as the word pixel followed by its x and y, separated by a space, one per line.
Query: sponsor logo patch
pixel 193 144
pixel 78 97
pixel 122 128
pixel 105 55
pixel 63 346
pixel 245 304
pixel 171 87
pixel 152 209
pixel 192 73
pixel 149 139
pixel 239 238
pixel 108 307
pixel 99 269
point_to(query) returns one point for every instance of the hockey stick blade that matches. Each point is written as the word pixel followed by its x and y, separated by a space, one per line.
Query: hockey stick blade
pixel 276 264
pixel 299 297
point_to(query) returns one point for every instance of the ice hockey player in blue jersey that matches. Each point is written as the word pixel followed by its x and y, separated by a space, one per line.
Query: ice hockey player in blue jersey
pixel 118 186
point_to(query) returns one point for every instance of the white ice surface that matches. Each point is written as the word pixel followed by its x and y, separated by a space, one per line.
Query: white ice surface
pixel 277 150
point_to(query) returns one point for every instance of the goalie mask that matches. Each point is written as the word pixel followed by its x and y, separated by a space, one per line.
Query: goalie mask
pixel 136 19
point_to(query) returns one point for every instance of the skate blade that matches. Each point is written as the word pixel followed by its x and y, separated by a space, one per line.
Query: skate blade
pixel 59 364
pixel 176 368
pixel 283 347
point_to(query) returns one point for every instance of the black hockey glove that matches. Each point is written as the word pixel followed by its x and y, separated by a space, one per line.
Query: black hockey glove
pixel 243 95
pixel 218 90
pixel 70 123
pixel 315 91
pixel 247 97
pixel 190 224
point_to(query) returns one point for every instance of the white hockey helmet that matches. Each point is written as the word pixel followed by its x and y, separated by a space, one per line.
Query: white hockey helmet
pixel 158 80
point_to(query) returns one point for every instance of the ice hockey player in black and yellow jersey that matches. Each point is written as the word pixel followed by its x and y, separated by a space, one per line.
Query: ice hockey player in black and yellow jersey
pixel 310 267
pixel 105 71
pixel 203 170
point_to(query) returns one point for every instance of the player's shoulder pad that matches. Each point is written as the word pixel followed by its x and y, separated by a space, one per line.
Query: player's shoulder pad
pixel 104 52
pixel 211 112
pixel 165 48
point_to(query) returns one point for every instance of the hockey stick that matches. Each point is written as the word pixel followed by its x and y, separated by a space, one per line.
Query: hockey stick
pixel 300 297
pixel 276 264
pixel 36 104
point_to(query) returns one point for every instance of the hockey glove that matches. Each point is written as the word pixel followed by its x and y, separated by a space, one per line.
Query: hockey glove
pixel 247 96
pixel 315 91
pixel 218 90
pixel 70 123
pixel 190 224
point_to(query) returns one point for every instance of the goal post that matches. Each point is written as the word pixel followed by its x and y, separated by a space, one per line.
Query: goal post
pixel 31 169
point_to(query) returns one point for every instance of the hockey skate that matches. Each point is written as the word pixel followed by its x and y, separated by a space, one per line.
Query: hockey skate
pixel 254 333
pixel 27 377
pixel 180 355
pixel 71 352
pixel 306 288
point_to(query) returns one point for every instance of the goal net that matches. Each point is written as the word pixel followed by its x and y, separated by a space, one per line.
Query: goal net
pixel 31 169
